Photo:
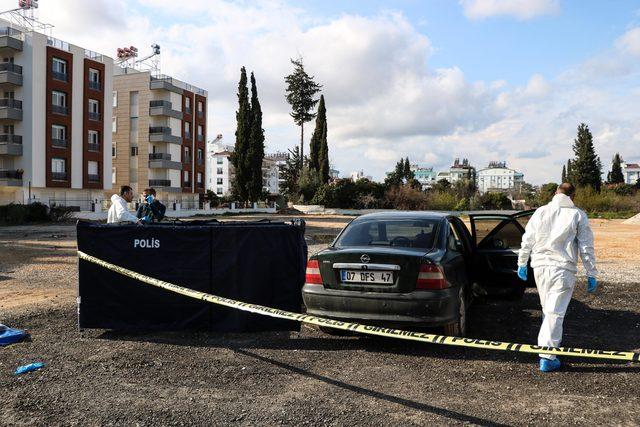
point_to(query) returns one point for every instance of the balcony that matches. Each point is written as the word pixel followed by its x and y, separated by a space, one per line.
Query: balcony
pixel 10 109
pixel 11 39
pixel 94 147
pixel 163 161
pixel 163 134
pixel 187 136
pixel 93 116
pixel 59 176
pixel 58 143
pixel 200 138
pixel 201 185
pixel 165 82
pixel 164 185
pixel 186 158
pixel 200 114
pixel 61 77
pixel 187 110
pixel 94 85
pixel 163 108
pixel 186 184
pixel 200 162
pixel 10 74
pixel 10 145
pixel 94 178
pixel 60 109
pixel 11 178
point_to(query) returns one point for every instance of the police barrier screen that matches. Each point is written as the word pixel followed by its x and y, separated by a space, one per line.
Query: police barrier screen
pixel 259 262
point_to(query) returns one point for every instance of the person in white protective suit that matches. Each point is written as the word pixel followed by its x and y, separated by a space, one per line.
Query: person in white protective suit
pixel 553 237
pixel 118 211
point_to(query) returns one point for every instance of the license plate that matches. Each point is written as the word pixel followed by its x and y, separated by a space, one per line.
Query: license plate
pixel 359 276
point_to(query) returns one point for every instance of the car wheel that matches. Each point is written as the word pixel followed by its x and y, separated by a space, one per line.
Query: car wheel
pixel 459 327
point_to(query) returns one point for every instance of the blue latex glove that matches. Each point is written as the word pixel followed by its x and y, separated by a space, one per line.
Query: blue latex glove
pixel 149 199
pixel 147 219
pixel 522 273
pixel 592 284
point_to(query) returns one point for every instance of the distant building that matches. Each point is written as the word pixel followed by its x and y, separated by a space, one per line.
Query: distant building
pixel 461 170
pixel 631 172
pixel 425 176
pixel 334 174
pixel 358 175
pixel 271 179
pixel 498 177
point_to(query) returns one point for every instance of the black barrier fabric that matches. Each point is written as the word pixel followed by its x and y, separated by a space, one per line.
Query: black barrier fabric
pixel 260 262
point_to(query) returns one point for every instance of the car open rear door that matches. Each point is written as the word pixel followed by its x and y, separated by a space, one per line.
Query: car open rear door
pixel 497 238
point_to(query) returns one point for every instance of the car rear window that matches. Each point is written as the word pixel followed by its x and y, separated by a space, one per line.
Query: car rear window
pixel 406 233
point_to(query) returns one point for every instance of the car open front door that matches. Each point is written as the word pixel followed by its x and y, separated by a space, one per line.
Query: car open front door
pixel 497 239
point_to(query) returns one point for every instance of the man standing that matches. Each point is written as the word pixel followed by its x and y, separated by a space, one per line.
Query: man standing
pixel 118 211
pixel 554 236
pixel 151 209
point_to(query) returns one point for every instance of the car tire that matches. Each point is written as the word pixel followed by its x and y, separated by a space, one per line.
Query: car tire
pixel 459 327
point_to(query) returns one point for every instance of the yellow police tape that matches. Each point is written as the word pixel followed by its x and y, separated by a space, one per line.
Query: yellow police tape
pixel 365 329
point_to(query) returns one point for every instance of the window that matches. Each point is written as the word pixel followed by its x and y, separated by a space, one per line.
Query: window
pixel 453 242
pixel 200 130
pixel 58 165
pixel 408 233
pixel 200 106
pixel 187 129
pixel 219 190
pixel 134 151
pixel 92 168
pixel 199 153
pixel 187 151
pixel 185 176
pixel 59 136
pixel 113 175
pixel 8 129
pixel 497 234
pixel 113 150
pixel 94 75
pixel 219 160
pixel 115 98
pixel 199 177
pixel 94 139
pixel 59 99
pixel 59 69
pixel 187 103
pixel 219 171
pixel 114 125
pixel 219 181
pixel 94 106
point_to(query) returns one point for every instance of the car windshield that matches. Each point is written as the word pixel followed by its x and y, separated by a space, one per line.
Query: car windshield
pixel 404 232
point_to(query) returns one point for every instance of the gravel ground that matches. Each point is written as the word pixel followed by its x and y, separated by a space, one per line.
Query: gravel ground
pixel 308 378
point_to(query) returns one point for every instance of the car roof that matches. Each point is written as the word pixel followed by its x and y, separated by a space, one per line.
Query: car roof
pixel 406 214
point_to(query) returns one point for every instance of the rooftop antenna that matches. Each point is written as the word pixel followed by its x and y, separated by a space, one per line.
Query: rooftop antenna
pixel 25 16
pixel 128 58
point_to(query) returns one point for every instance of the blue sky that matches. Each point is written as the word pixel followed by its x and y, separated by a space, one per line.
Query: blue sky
pixel 432 79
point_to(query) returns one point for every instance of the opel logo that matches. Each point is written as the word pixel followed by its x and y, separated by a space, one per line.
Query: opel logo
pixel 365 258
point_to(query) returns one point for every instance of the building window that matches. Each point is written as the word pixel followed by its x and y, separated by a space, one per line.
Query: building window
pixel 187 105
pixel 113 150
pixel 113 175
pixel 219 190
pixel 219 171
pixel 59 136
pixel 185 176
pixel 187 151
pixel 114 125
pixel 58 169
pixel 187 130
pixel 94 140
pixel 219 181
pixel 199 153
pixel 59 102
pixel 92 170
pixel 200 106
pixel 134 151
pixel 219 160
pixel 94 109
pixel 94 79
pixel 199 177
pixel 59 69
pixel 115 98
pixel 200 130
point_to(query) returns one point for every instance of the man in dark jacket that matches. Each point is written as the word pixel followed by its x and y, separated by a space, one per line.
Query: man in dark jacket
pixel 151 210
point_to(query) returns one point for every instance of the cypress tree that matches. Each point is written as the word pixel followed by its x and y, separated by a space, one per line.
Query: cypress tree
pixel 586 168
pixel 564 174
pixel 256 145
pixel 406 172
pixel 325 172
pixel 616 176
pixel 316 138
pixel 239 159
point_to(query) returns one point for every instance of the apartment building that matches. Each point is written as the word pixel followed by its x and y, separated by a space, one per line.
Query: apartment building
pixel 55 130
pixel 631 173
pixel 497 177
pixel 426 176
pixel 271 177
pixel 159 135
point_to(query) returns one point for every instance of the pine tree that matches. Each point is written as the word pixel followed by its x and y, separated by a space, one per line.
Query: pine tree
pixel 586 168
pixel 239 159
pixel 316 138
pixel 290 174
pixel 616 176
pixel 256 145
pixel 564 174
pixel 301 89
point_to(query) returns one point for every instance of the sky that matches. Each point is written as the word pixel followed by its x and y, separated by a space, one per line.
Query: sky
pixel 429 79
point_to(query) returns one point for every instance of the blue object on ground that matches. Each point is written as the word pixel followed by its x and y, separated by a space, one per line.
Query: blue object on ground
pixel 28 368
pixel 548 365
pixel 522 272
pixel 592 284
pixel 10 336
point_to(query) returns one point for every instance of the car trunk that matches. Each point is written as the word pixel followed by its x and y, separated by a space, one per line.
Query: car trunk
pixel 404 263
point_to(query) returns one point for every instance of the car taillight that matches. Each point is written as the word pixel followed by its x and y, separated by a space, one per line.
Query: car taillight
pixel 431 276
pixel 313 273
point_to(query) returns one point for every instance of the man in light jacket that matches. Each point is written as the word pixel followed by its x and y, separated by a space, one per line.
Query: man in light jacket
pixel 118 211
pixel 554 236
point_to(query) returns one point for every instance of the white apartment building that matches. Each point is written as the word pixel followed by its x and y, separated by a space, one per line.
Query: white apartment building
pixel 498 177
pixel 271 179
pixel 631 172
pixel 55 140
pixel 358 175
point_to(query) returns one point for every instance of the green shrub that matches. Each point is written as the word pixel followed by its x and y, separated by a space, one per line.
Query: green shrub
pixel 606 201
pixel 15 214
pixel 406 198
pixel 442 201
pixel 495 201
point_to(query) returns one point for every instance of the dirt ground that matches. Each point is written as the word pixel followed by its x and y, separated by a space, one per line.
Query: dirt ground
pixel 109 378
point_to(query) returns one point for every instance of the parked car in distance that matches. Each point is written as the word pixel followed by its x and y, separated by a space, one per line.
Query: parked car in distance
pixel 419 269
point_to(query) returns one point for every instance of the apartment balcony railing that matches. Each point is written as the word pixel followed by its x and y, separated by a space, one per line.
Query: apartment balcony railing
pixel 11 103
pixel 60 109
pixel 160 103
pixel 57 75
pixel 187 110
pixel 186 184
pixel 94 85
pixel 94 116
pixel 186 158
pixel 10 67
pixel 10 74
pixel 187 135
pixel 58 44
pixel 163 81
pixel 159 156
pixel 59 176
pixel 94 147
pixel 10 145
pixel 160 129
pixel 10 109
pixel 11 174
pixel 59 143
pixel 11 38
pixel 200 162
pixel 200 138
pixel 10 138
pixel 200 114
pixel 94 178
pixel 163 108
pixel 163 134
pixel 159 183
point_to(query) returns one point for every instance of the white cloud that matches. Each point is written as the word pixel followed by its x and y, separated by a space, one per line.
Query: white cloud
pixel 629 42
pixel 520 9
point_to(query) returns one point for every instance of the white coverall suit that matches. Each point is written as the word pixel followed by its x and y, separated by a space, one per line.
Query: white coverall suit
pixel 118 211
pixel 553 237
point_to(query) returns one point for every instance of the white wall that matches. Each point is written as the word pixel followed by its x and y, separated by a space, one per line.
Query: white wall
pixel 77 109
pixel 107 137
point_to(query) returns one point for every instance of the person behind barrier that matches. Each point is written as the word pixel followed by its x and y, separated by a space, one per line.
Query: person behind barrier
pixel 151 210
pixel 118 211
pixel 554 236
